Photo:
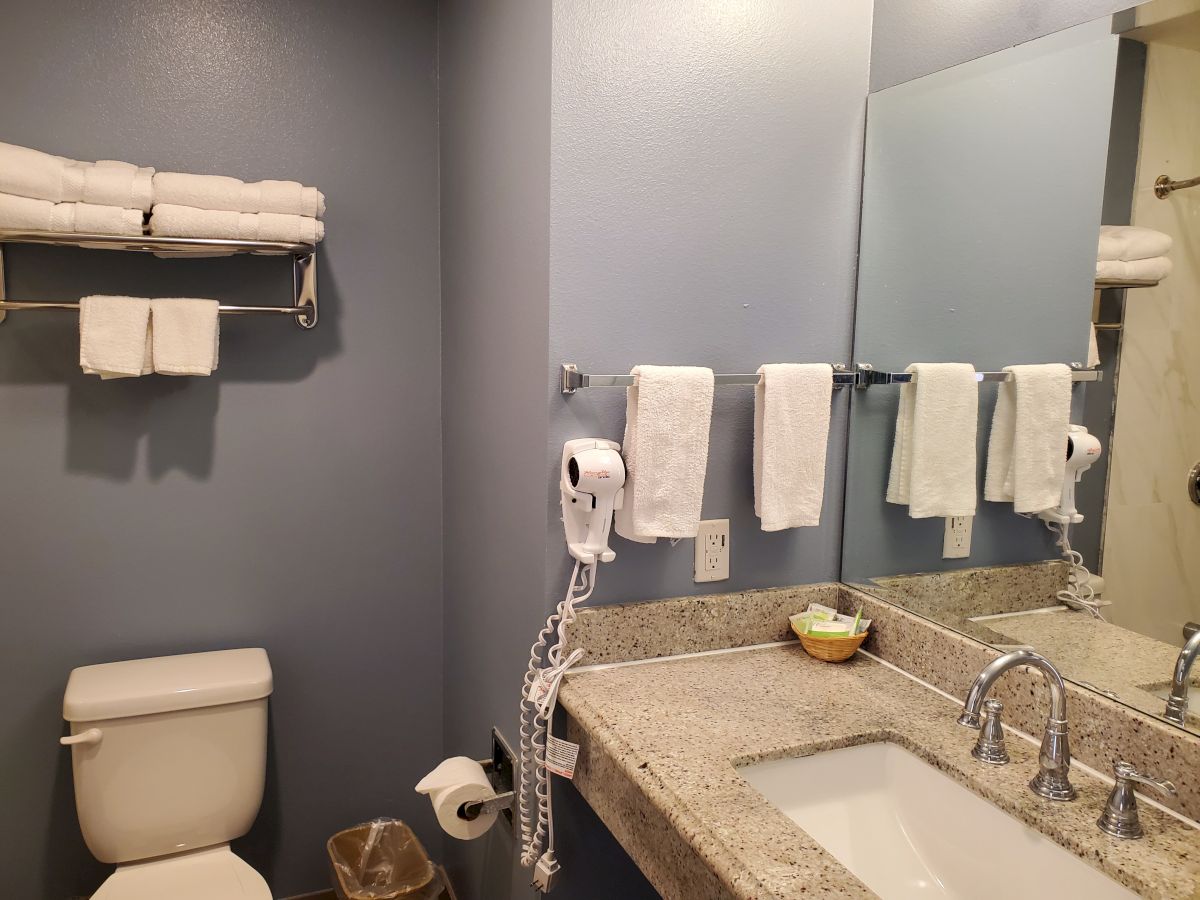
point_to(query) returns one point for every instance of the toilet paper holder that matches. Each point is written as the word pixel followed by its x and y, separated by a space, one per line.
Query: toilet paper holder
pixel 499 769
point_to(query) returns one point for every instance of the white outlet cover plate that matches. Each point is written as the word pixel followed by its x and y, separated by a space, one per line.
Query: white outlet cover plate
pixel 712 551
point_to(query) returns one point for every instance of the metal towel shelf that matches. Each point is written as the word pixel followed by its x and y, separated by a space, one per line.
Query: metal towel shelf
pixel 304 265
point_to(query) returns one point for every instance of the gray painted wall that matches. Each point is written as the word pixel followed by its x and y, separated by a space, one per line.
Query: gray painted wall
pixel 705 186
pixel 495 159
pixel 910 39
pixel 291 501
pixel 955 267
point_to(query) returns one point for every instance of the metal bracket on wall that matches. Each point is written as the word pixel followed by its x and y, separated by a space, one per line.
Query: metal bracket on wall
pixel 304 266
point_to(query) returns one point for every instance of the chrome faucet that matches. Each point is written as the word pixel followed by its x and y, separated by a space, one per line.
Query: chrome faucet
pixel 1177 703
pixel 1051 781
pixel 1120 816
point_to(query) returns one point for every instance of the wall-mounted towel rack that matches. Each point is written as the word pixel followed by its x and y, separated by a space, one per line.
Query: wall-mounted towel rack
pixel 868 377
pixel 573 379
pixel 1107 284
pixel 304 265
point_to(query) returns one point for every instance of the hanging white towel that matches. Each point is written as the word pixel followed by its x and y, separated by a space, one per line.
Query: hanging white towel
pixel 1128 242
pixel 115 336
pixel 933 456
pixel 1027 449
pixel 791 433
pixel 25 214
pixel 168 220
pixel 186 336
pixel 1154 269
pixel 233 194
pixel 667 416
pixel 1093 359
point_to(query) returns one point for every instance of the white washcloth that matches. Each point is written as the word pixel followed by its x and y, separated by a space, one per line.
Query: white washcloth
pixel 1128 242
pixel 186 336
pixel 1154 269
pixel 1027 449
pixel 667 414
pixel 114 336
pixel 233 194
pixel 168 220
pixel 40 176
pixel 933 457
pixel 26 214
pixel 791 433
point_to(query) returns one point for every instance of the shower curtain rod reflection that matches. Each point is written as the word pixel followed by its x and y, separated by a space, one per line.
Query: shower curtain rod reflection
pixel 1163 185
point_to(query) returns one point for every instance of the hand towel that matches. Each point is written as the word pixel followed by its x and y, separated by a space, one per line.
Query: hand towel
pixel 1027 449
pixel 114 336
pixel 667 414
pixel 186 336
pixel 25 214
pixel 1093 359
pixel 1154 269
pixel 791 432
pixel 40 176
pixel 1128 242
pixel 235 195
pixel 187 221
pixel 933 456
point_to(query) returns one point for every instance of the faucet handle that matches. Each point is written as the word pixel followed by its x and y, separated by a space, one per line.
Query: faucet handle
pixel 989 748
pixel 1120 816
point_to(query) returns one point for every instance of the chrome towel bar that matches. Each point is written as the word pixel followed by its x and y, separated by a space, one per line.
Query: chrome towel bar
pixel 863 376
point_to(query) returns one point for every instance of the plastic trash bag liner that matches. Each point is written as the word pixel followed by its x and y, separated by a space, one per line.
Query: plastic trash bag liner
pixel 381 860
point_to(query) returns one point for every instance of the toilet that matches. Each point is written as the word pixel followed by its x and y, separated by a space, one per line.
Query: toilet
pixel 169 757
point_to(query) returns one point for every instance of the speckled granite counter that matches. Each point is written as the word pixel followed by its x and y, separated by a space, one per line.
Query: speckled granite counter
pixel 660 743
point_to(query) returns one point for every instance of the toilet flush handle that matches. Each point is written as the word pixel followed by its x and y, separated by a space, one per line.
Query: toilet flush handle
pixel 91 736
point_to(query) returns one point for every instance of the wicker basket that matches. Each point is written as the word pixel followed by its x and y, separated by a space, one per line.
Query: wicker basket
pixel 830 649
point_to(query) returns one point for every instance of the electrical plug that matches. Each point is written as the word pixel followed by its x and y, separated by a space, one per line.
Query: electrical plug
pixel 544 872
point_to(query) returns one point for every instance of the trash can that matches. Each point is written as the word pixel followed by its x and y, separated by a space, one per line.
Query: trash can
pixel 382 860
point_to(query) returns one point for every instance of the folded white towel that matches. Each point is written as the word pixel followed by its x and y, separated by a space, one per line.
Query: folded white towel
pixel 1129 242
pixel 667 414
pixel 40 176
pixel 933 457
pixel 26 214
pixel 233 194
pixel 169 220
pixel 115 336
pixel 1154 269
pixel 186 336
pixel 1027 449
pixel 791 433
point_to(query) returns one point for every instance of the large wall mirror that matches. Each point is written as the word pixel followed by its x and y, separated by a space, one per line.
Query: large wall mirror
pixel 995 198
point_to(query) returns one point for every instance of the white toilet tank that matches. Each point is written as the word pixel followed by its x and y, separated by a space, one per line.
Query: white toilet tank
pixel 169 754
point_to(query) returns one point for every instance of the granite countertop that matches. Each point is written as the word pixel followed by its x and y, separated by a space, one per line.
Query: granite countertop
pixel 660 743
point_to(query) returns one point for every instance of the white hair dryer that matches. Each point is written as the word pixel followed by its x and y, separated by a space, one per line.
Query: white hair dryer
pixel 1083 449
pixel 592 485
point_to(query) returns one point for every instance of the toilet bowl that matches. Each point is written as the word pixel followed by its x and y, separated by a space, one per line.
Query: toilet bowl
pixel 169 762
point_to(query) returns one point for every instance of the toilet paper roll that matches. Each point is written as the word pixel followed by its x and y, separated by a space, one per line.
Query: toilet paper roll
pixel 456 781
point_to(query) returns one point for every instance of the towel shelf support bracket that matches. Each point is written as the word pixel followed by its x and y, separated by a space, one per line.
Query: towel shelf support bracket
pixel 304 266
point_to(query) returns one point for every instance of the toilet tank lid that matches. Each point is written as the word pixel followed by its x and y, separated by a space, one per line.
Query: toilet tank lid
pixel 140 687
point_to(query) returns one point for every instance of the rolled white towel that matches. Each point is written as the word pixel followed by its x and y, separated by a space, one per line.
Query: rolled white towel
pixel 30 173
pixel 169 220
pixel 234 195
pixel 1129 242
pixel 1155 269
pixel 26 214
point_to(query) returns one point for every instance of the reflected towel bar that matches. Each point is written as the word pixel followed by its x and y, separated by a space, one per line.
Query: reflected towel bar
pixel 573 379
pixel 863 376
pixel 10 305
pixel 868 377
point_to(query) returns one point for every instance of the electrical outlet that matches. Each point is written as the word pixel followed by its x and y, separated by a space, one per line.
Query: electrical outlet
pixel 957 542
pixel 712 550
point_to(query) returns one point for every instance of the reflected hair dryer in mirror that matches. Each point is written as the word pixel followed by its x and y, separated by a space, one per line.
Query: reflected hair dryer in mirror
pixel 1083 450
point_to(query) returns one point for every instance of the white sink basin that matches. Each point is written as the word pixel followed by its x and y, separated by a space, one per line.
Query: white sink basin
pixel 907 830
